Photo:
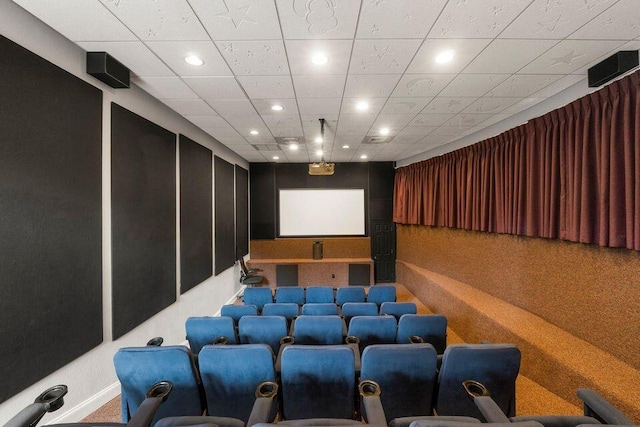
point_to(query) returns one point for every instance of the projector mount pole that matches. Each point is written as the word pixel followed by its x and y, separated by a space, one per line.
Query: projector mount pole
pixel 322 143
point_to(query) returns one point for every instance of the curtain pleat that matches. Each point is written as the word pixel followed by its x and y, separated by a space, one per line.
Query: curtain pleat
pixel 572 174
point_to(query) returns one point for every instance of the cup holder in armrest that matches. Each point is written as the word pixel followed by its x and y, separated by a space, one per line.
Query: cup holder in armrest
pixel 221 341
pixel 352 340
pixel 160 390
pixel 369 388
pixel 415 339
pixel 53 398
pixel 155 342
pixel 288 339
pixel 475 388
pixel 267 389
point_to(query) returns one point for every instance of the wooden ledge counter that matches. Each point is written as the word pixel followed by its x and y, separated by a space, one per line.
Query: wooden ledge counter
pixel 315 272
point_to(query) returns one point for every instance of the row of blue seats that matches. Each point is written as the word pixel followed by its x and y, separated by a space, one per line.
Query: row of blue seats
pixel 377 294
pixel 318 330
pixel 291 310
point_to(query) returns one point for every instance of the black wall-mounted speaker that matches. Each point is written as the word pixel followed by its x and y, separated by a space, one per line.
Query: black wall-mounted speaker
pixel 612 67
pixel 107 69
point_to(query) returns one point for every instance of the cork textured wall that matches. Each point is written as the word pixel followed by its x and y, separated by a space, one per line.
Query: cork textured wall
pixel 592 293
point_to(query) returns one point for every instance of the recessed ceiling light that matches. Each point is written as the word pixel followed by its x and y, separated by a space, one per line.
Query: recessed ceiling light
pixel 345 146
pixel 319 59
pixel 362 106
pixel 254 132
pixel 318 140
pixel 364 156
pixel 193 60
pixel 277 107
pixel 445 56
pixel 294 147
pixel 384 131
pixel 319 153
pixel 276 158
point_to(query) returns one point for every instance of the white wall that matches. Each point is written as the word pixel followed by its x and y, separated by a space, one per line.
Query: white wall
pixel 91 378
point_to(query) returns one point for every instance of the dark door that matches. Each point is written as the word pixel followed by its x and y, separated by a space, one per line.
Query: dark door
pixel 383 251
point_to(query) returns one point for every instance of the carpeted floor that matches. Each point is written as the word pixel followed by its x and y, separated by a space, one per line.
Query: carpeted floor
pixel 531 398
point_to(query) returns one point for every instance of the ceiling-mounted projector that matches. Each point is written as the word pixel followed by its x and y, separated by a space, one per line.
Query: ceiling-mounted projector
pixel 321 168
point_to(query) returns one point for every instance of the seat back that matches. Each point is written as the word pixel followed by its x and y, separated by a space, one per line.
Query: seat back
pixel 230 375
pixel 263 330
pixel 320 309
pixel 318 330
pixel 381 293
pixel 350 294
pixel 373 329
pixel 397 309
pixel 406 374
pixel 258 297
pixel 352 309
pixel 205 330
pixel 292 294
pixel 432 328
pixel 494 365
pixel 319 294
pixel 237 311
pixel 288 310
pixel 318 382
pixel 138 368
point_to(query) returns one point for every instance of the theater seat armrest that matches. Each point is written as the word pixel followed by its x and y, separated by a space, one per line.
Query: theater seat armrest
pixel 598 407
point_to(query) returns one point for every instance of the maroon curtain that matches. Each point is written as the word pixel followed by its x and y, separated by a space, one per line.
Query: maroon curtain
pixel 572 174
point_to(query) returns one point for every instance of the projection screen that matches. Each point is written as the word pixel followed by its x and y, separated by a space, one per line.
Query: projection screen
pixel 322 212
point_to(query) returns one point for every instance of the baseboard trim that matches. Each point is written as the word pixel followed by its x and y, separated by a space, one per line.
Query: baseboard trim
pixel 89 406
pixel 232 299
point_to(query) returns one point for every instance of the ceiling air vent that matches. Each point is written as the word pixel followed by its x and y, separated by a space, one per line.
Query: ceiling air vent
pixel 266 147
pixel 376 139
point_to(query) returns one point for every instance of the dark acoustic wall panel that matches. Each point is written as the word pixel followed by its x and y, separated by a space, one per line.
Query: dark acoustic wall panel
pixel 381 178
pixel 224 215
pixel 242 212
pixel 50 218
pixel 196 213
pixel 143 209
pixel 263 199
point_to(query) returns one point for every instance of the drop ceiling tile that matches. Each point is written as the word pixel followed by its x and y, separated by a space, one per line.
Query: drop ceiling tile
pixel 413 131
pixel 466 120
pixel 569 55
pixel 319 106
pixel 442 104
pixel 522 85
pixel 208 122
pixel 405 105
pixel 312 120
pixel 350 106
pixel 466 50
pixel 134 55
pixel 370 86
pixel 236 141
pixel 470 85
pixel 220 133
pixel 421 85
pixel 319 86
pixel 164 87
pixel 264 138
pixel 351 132
pixel 357 120
pixel 560 85
pixel 238 20
pixel 215 88
pixel 404 140
pixel 193 107
pixel 397 18
pixel 341 156
pixel 476 18
pixel 382 56
pixel 244 124
pixel 300 52
pixel 282 121
pixel 173 54
pixel 631 45
pixel 261 87
pixel 448 131
pixel 554 19
pixel 522 105
pixel 318 20
pixel 234 107
pixel 508 56
pixel 260 58
pixel 431 120
pixel 90 20
pixel 263 106
pixel 621 21
pixel 394 122
pixel 491 105
pixel 158 19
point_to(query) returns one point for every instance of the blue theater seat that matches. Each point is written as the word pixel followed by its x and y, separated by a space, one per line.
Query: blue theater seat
pixel 432 328
pixel 350 294
pixel 318 382
pixel 206 330
pixel 352 309
pixel 258 297
pixel 318 330
pixel 293 294
pixel 263 330
pixel 288 310
pixel 373 330
pixel 237 311
pixel 397 309
pixel 381 293
pixel 319 294
pixel 319 309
